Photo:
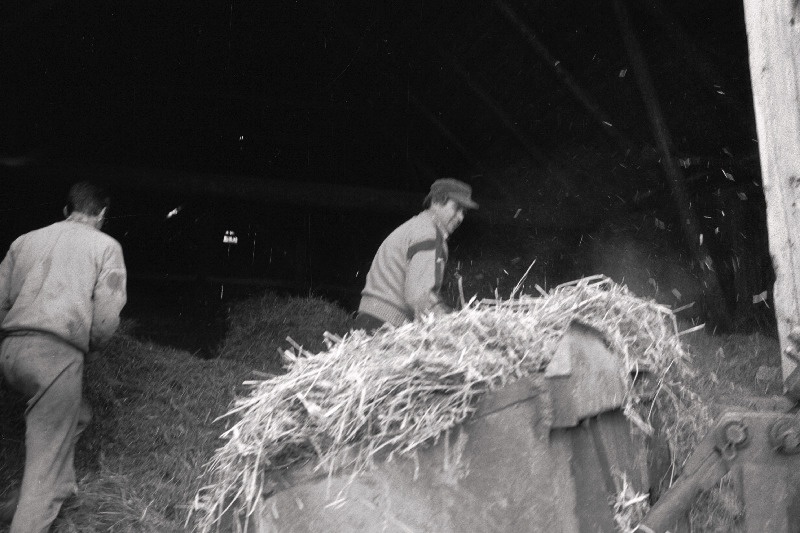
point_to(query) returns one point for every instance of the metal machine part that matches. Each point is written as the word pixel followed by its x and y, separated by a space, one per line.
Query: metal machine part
pixel 761 450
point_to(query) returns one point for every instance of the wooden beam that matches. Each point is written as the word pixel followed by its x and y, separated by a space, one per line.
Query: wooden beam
pixel 529 146
pixel 686 46
pixel 248 188
pixel 344 198
pixel 702 63
pixel 583 97
pixel 690 226
pixel 772 34
pixel 442 128
pixel 508 122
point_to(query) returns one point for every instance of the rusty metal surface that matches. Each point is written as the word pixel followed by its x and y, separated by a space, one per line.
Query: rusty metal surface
pixel 602 449
pixel 585 377
pixel 762 450
pixel 495 474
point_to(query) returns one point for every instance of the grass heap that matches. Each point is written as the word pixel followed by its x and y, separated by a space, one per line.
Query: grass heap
pixel 152 412
pixel 392 392
pixel 155 416
pixel 261 324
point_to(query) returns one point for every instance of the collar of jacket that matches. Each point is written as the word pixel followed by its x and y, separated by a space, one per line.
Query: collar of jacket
pixel 437 223
pixel 82 218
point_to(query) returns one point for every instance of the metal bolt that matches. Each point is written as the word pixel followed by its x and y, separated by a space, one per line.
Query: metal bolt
pixel 736 432
pixel 791 441
pixel 785 436
pixel 730 436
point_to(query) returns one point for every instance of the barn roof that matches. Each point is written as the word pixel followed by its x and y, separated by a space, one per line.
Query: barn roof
pixel 383 94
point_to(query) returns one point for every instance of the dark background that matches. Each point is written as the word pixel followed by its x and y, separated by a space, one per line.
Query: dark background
pixel 227 111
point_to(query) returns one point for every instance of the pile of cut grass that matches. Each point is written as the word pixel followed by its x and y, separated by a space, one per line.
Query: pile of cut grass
pixel 392 392
pixel 155 410
pixel 258 327
pixel 155 418
pixel 728 366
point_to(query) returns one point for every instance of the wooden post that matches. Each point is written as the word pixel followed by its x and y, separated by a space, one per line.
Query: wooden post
pixel 773 35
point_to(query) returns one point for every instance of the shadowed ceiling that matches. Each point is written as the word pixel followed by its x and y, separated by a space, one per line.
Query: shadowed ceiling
pixel 383 93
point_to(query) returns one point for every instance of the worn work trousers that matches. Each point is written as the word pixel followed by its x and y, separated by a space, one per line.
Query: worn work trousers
pixel 49 372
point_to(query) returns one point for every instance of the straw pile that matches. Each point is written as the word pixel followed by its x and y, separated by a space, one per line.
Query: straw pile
pixel 392 392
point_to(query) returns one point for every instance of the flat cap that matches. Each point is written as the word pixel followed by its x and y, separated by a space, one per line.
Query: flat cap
pixel 455 190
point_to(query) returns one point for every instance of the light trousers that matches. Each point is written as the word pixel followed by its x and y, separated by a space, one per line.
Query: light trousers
pixel 49 373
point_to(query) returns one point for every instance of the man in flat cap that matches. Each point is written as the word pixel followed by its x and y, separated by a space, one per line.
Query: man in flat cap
pixel 405 278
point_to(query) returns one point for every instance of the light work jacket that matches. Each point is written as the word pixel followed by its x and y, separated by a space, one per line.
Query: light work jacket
pixel 68 280
pixel 405 277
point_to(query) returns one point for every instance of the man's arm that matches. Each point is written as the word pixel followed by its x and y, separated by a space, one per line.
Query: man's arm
pixel 5 285
pixel 424 278
pixel 110 296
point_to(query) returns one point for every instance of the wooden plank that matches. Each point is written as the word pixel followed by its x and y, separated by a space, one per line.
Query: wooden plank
pixel 772 32
pixel 343 198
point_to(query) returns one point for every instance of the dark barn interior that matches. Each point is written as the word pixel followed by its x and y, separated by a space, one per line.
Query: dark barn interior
pixel 588 130
pixel 259 152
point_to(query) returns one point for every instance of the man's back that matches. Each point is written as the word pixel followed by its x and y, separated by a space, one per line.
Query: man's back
pixel 67 279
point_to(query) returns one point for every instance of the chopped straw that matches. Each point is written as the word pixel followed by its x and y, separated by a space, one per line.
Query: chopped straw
pixel 630 507
pixel 385 395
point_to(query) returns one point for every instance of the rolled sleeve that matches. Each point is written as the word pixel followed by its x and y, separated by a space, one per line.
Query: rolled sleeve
pixel 5 286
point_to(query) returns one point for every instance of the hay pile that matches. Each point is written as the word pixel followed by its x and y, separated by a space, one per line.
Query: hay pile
pixel 258 327
pixel 402 387
pixel 153 412
pixel 155 409
pixel 152 407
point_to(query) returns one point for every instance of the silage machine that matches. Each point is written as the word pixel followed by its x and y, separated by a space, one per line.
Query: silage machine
pixel 547 453
pixel 760 450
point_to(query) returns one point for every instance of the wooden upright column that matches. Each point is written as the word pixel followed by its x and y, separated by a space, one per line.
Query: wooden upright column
pixel 773 35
